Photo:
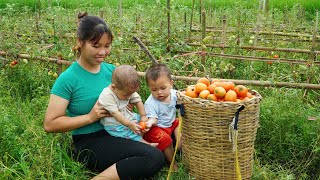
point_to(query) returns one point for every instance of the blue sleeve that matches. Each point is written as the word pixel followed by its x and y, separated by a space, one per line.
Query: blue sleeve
pixel 151 109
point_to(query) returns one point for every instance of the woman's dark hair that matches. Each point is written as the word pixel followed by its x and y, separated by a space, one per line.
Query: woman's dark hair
pixel 91 28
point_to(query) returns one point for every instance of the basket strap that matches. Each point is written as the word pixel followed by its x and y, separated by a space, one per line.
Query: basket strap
pixel 236 117
pixel 180 114
pixel 233 127
pixel 181 108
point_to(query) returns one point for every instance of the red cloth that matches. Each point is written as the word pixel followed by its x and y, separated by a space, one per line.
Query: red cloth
pixel 161 135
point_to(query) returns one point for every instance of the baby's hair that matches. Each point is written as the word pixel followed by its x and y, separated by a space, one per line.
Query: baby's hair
pixel 157 70
pixel 125 77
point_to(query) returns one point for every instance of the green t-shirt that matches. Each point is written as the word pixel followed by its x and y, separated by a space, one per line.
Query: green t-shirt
pixel 82 89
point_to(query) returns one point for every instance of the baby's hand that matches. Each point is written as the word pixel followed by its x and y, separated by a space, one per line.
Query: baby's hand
pixel 134 127
pixel 149 124
pixel 144 118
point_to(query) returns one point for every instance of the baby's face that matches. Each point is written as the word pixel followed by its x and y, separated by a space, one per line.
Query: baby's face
pixel 160 89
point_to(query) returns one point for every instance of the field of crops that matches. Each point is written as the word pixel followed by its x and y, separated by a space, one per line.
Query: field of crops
pixel 274 53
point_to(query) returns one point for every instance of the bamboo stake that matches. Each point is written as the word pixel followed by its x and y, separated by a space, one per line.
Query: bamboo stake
pixel 223 36
pixel 37 22
pixel 1 32
pixel 27 56
pixel 39 9
pixel 266 6
pixel 169 22
pixel 256 34
pixel 251 82
pixel 260 48
pixel 191 79
pixel 185 25
pixel 145 49
pixel 286 39
pixel 191 20
pixel 203 58
pixel 120 17
pixel 312 56
pixel 252 58
pixel 139 25
pixel 200 10
pixel 261 32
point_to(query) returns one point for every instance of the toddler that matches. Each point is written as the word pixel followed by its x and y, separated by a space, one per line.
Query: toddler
pixel 161 111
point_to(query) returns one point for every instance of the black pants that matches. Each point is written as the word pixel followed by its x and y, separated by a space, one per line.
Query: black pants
pixel 134 160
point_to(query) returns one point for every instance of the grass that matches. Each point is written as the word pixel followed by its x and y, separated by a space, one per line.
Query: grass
pixel 310 5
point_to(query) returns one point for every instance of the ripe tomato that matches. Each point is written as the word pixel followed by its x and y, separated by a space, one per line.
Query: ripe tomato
pixel 219 92
pixel 191 93
pixel 204 81
pixel 225 85
pixel 241 90
pixel 204 94
pixel 231 95
pixel 215 80
pixel 232 85
pixel 143 125
pixel 212 97
pixel 211 88
pixel 200 87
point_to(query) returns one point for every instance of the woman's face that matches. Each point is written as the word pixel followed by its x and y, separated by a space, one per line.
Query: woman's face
pixel 94 54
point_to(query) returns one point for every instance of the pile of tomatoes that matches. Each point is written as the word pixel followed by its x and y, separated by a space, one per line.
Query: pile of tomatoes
pixel 217 90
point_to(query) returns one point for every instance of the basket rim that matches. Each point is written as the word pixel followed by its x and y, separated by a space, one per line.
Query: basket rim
pixel 257 98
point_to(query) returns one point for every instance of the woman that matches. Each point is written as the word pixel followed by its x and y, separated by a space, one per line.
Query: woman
pixel 73 107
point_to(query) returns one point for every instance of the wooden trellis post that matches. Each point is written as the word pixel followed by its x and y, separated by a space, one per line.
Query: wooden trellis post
pixel 203 58
pixel 38 15
pixel 1 32
pixel 3 60
pixel 200 10
pixel 138 24
pixel 120 17
pixel 191 20
pixel 223 35
pixel 312 55
pixel 169 22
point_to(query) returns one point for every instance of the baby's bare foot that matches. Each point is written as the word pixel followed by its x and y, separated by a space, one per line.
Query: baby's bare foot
pixel 154 144
pixel 175 167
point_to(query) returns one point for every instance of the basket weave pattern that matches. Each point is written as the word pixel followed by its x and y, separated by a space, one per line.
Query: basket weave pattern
pixel 207 151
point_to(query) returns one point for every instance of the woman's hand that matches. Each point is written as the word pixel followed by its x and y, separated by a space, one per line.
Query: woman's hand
pixel 57 121
pixel 98 112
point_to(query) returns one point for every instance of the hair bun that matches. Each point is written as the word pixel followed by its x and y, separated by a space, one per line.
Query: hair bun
pixel 81 15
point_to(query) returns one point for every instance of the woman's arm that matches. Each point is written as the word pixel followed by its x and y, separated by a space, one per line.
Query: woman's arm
pixel 57 121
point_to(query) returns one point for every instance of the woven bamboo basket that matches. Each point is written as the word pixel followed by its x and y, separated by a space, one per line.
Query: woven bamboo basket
pixel 207 150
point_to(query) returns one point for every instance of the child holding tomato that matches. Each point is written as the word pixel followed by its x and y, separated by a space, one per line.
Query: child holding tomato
pixel 161 111
pixel 115 99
